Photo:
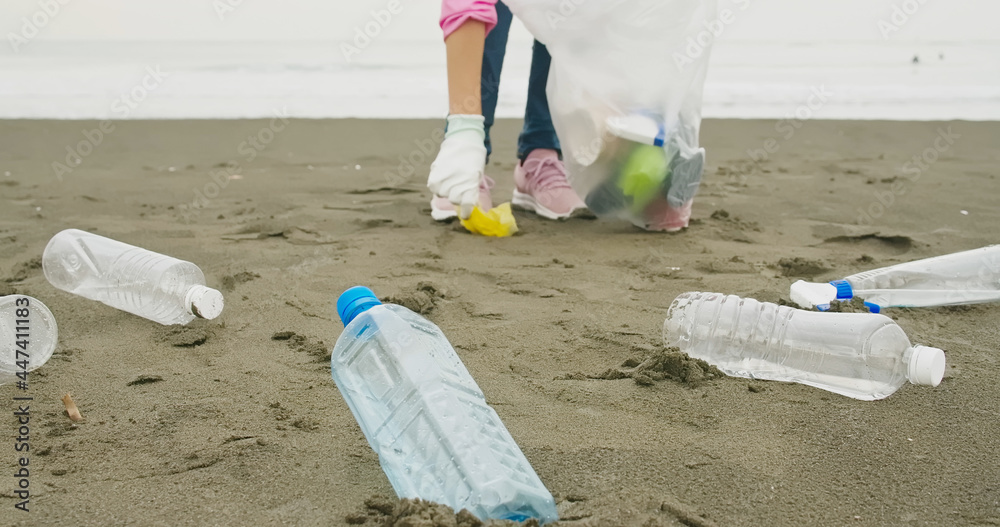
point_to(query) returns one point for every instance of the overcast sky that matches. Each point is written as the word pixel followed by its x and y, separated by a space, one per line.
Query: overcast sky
pixel 781 20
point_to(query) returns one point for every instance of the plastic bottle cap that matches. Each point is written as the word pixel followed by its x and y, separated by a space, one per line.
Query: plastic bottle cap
pixel 355 301
pixel 926 365
pixel 205 302
pixel 844 289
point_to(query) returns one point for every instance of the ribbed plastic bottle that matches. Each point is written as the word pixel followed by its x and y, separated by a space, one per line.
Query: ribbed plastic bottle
pixel 425 417
pixel 28 335
pixel 861 355
pixel 967 277
pixel 151 285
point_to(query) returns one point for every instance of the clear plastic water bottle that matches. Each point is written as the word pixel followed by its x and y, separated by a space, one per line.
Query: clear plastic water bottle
pixel 861 355
pixel 28 336
pixel 151 285
pixel 425 417
pixel 967 277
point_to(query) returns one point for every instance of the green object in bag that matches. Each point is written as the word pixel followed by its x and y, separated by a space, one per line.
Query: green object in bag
pixel 642 175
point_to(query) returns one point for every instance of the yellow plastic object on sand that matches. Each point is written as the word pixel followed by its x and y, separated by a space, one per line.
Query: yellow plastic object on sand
pixel 498 222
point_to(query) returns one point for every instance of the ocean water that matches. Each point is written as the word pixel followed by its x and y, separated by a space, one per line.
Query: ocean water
pixel 401 79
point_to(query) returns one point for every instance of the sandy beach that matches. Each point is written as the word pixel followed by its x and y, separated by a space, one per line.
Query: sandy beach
pixel 236 421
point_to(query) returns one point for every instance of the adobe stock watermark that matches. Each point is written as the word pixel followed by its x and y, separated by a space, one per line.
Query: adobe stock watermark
pixel 913 169
pixel 565 9
pixel 224 7
pixel 697 44
pixel 425 149
pixel 901 14
pixel 786 128
pixel 587 153
pixel 121 108
pixel 365 34
pixel 249 149
pixel 33 24
pixel 644 269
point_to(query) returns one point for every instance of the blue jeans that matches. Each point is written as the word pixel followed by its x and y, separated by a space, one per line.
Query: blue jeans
pixel 538 131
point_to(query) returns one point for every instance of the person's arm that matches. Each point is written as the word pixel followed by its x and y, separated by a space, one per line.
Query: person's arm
pixel 456 172
pixel 465 24
pixel 464 48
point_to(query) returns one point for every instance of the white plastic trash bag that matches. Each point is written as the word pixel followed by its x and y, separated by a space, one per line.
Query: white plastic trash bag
pixel 625 92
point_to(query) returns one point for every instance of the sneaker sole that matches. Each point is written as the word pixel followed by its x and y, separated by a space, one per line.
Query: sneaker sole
pixel 666 229
pixel 443 215
pixel 527 202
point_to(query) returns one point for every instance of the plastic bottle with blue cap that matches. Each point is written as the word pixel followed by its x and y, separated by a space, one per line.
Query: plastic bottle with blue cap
pixel 436 437
pixel 865 356
pixel 967 277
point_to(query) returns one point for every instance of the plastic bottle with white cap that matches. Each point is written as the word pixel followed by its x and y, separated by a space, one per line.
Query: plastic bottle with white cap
pixel 28 336
pixel 967 277
pixel 148 284
pixel 861 355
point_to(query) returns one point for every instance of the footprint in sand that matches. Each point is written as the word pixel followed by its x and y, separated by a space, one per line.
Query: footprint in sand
pixel 25 270
pixel 229 282
pixel 421 299
pixel 799 267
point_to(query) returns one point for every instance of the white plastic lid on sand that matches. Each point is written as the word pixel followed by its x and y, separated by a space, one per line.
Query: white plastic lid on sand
pixel 40 329
pixel 205 302
pixel 926 365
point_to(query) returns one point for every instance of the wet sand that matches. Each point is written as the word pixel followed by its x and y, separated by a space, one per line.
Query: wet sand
pixel 236 421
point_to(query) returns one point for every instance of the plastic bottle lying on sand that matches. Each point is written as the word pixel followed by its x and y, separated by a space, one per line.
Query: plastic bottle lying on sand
pixel 968 277
pixel 425 417
pixel 151 285
pixel 861 355
pixel 28 335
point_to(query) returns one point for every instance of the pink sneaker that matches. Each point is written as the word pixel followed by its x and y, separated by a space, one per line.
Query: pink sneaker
pixel 662 217
pixel 443 210
pixel 540 185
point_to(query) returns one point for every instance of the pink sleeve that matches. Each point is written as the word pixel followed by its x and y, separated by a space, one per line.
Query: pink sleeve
pixel 454 13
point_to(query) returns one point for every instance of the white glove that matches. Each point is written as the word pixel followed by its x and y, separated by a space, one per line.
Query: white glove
pixel 461 163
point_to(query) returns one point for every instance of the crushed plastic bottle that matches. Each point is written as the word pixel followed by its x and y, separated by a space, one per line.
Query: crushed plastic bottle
pixel 861 355
pixel 967 277
pixel 151 285
pixel 436 437
pixel 28 336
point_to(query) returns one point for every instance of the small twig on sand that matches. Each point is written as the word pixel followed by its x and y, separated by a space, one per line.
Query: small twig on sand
pixel 71 410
